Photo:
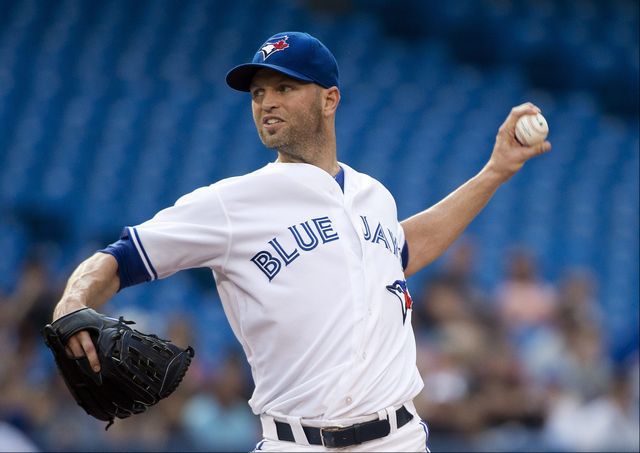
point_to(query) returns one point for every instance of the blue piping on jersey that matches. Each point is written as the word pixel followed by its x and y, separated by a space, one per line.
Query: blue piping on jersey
pixel 405 256
pixel 340 178
pixel 144 252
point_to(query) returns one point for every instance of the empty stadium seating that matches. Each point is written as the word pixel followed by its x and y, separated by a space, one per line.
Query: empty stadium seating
pixel 110 110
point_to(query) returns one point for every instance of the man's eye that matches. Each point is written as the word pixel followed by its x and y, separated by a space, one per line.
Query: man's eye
pixel 285 88
pixel 257 93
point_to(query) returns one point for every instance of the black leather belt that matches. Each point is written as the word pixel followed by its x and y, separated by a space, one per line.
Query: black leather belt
pixel 338 437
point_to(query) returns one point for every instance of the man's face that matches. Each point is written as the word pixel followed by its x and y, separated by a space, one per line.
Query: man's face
pixel 287 112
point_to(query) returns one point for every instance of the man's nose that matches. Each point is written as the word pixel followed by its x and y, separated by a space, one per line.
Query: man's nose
pixel 270 100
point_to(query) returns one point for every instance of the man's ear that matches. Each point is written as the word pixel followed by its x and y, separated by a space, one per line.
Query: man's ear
pixel 331 100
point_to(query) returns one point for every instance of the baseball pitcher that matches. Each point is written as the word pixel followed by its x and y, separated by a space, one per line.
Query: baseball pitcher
pixel 310 261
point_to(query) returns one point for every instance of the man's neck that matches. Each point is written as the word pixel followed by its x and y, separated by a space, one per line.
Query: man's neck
pixel 326 161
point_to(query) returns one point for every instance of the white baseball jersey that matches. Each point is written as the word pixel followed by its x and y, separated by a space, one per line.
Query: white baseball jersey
pixel 311 280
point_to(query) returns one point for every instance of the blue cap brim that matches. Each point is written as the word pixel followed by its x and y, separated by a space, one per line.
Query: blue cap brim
pixel 239 78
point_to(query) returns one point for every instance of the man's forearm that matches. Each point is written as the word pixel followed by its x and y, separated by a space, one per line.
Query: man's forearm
pixel 430 232
pixel 92 284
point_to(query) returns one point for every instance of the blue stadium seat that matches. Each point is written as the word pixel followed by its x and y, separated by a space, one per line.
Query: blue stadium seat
pixel 111 110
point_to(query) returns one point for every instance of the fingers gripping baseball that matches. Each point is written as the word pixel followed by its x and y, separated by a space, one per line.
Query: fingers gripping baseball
pixel 516 112
pixel 508 154
pixel 538 149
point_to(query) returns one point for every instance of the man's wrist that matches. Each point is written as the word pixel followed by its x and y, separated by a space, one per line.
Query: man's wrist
pixel 495 175
pixel 66 307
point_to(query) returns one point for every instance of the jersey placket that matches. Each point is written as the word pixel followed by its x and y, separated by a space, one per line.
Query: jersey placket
pixel 359 283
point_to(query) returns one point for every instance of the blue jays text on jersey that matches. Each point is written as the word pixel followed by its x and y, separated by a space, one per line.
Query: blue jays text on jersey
pixel 308 235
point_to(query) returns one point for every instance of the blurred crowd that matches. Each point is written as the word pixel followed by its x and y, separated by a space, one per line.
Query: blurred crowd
pixel 521 367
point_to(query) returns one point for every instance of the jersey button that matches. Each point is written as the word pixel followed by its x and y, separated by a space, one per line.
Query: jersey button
pixel 348 400
pixel 364 356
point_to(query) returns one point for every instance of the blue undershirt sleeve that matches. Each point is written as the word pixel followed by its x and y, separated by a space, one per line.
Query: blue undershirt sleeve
pixel 131 268
pixel 405 256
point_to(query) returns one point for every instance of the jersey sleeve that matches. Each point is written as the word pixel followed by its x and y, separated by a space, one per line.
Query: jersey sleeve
pixel 192 233
pixel 131 268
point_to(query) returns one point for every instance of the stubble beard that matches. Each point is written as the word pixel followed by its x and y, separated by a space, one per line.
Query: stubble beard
pixel 300 140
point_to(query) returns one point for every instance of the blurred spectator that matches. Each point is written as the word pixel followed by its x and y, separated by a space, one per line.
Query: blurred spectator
pixel 528 309
pixel 218 418
pixel 24 374
pixel 459 270
pixel 474 381
pixel 584 368
pixel 34 297
pixel 524 301
pixel 581 364
pixel 634 384
pixel 577 301
pixel 12 439
pixel 608 422
pixel 454 279
pixel 449 340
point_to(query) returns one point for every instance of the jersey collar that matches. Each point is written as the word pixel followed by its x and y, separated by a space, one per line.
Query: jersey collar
pixel 315 178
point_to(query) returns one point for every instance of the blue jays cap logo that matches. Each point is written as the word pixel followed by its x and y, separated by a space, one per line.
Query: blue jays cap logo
pixel 271 47
pixel 399 289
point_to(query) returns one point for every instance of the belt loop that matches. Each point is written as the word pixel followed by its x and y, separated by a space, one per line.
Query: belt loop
pixel 393 420
pixel 297 430
pixel 268 427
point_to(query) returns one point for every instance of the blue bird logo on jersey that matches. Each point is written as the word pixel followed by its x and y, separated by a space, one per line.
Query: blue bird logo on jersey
pixel 400 290
pixel 269 48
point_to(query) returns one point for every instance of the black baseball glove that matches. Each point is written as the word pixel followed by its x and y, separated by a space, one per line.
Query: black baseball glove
pixel 137 369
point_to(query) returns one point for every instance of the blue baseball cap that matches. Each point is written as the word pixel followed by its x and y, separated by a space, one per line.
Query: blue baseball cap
pixel 295 54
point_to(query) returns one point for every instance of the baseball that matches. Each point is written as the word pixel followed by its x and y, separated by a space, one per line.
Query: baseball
pixel 531 129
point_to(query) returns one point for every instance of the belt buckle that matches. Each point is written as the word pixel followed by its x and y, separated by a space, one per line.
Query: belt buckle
pixel 329 429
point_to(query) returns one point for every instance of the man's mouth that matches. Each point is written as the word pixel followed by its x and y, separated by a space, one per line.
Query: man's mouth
pixel 271 120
